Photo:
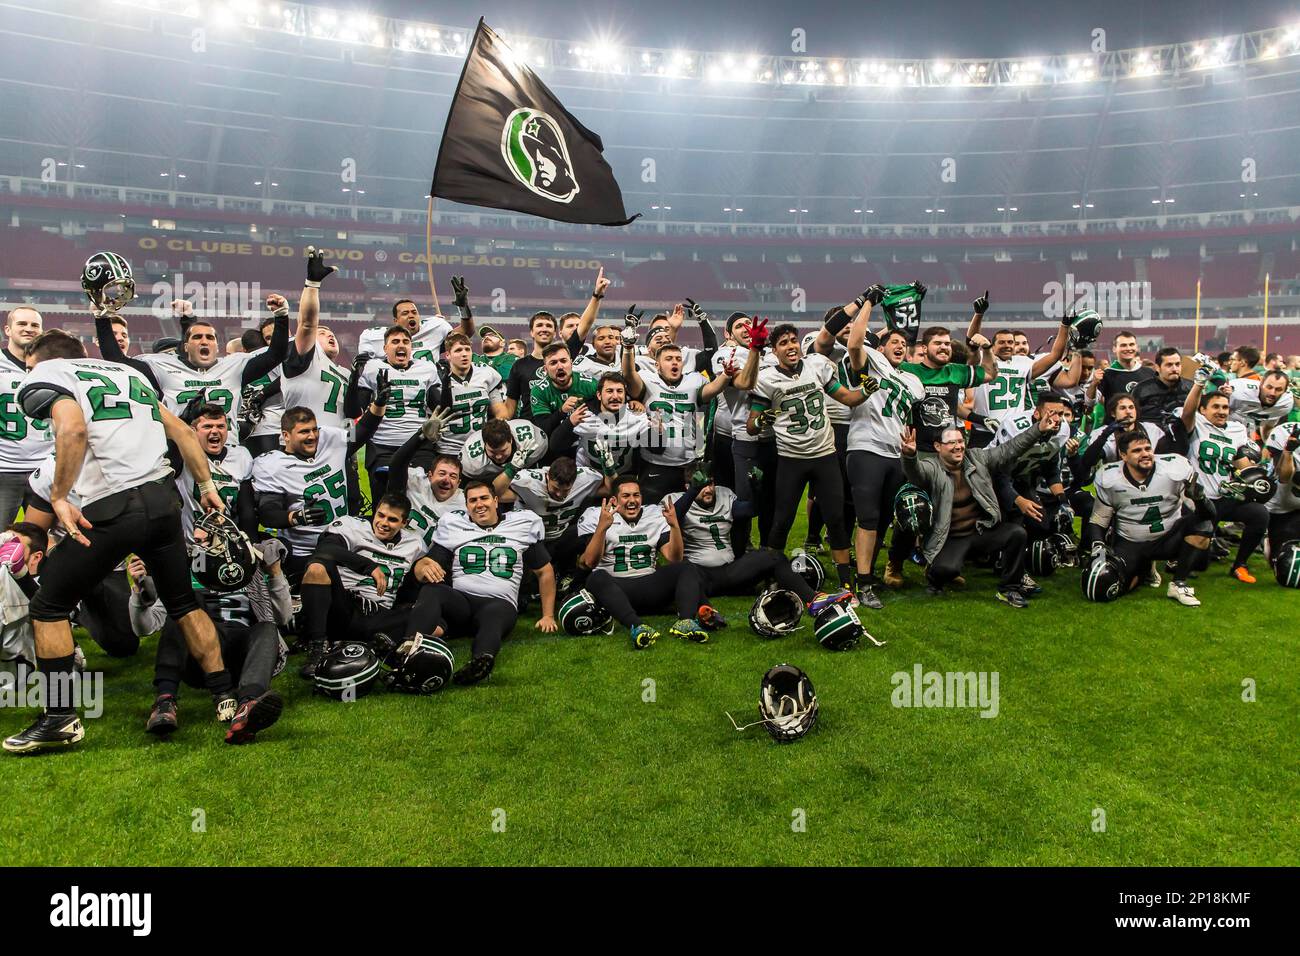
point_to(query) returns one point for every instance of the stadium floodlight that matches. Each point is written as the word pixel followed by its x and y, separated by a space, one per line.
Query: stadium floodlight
pixel 787 77
pixel 941 68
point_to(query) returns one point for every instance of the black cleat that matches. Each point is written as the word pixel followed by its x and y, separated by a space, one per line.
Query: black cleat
pixel 316 652
pixel 49 732
pixel 476 670
pixel 1014 598
pixel 163 718
pixel 254 714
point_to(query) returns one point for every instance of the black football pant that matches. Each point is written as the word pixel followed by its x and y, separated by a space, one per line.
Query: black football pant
pixel 672 585
pixel 874 481
pixel 249 654
pixel 377 458
pixel 1283 526
pixel 330 612
pixel 105 613
pixel 1139 555
pixel 815 519
pixel 743 575
pixel 747 455
pixel 720 457
pixel 660 480
pixel 13 489
pixel 564 549
pixel 1005 539
pixel 488 620
pixel 822 477
pixel 1253 517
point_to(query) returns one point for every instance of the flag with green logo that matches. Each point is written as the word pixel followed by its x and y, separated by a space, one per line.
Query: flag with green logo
pixel 510 144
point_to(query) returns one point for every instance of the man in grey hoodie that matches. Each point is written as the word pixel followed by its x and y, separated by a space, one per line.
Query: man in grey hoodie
pixel 964 503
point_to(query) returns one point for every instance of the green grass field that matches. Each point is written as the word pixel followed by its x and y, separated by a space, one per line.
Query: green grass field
pixel 1135 709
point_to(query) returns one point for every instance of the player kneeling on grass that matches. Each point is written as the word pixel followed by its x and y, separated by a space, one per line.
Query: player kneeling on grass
pixel 353 576
pixel 1141 495
pixel 479 557
pixel 706 513
pixel 248 623
pixel 622 546
pixel 966 518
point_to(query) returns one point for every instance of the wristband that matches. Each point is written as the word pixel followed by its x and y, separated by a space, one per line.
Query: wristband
pixel 860 301
pixel 311 285
pixel 598 295
pixel 203 487
pixel 835 324
pixel 509 471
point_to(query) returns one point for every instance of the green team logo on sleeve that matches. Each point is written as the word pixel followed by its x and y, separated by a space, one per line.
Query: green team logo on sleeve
pixel 533 146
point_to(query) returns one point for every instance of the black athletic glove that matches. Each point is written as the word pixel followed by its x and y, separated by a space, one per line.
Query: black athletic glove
pixel 1293 443
pixel 191 410
pixel 920 288
pixel 698 314
pixel 981 304
pixel 383 391
pixel 360 361
pixel 875 295
pixel 462 293
pixel 700 477
pixel 317 270
pixel 312 515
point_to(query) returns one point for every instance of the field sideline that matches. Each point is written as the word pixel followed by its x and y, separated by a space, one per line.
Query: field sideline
pixel 1135 709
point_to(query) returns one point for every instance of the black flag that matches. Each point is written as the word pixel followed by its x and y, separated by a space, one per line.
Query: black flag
pixel 510 144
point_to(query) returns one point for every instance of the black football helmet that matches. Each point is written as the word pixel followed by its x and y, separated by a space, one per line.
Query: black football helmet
pixel 422 665
pixel 1043 559
pixel 837 628
pixel 808 568
pixel 1253 484
pixel 787 703
pixel 776 613
pixel 107 281
pixel 1105 576
pixel 1067 552
pixel 1085 329
pixel 912 511
pixel 348 671
pixel 222 558
pixel 580 614
pixel 1286 565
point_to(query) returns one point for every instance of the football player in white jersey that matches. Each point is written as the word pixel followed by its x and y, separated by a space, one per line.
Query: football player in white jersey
pixel 471 393
pixel 833 346
pixel 413 388
pixel 351 581
pixel 110 435
pixel 1283 449
pixel 873 461
pixel 499 443
pixel 608 438
pixel 705 512
pixel 199 369
pixel 673 398
pixel 1008 392
pixel 23 441
pixel 1261 404
pixel 791 396
pixel 1141 496
pixel 603 356
pixel 557 494
pixel 231 467
pixel 753 457
pixel 621 543
pixel 302 487
pixel 481 556
pixel 426 334
pixel 433 491
pixel 1218 448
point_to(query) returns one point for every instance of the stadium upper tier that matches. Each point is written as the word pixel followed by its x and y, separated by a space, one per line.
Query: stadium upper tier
pixel 126 95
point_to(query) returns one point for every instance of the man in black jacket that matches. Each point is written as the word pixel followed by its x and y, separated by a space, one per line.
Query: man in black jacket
pixel 1161 398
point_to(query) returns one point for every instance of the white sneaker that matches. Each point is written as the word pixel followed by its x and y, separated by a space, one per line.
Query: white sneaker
pixel 1154 579
pixel 1182 593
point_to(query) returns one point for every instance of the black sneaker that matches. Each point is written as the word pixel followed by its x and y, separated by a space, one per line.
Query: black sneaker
pixel 226 706
pixel 49 732
pixel 1014 598
pixel 163 718
pixel 476 670
pixel 867 598
pixel 254 714
pixel 316 652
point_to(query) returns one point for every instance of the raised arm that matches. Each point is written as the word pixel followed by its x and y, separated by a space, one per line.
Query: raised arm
pixel 278 350
pixel 588 317
pixel 304 337
pixel 1057 352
